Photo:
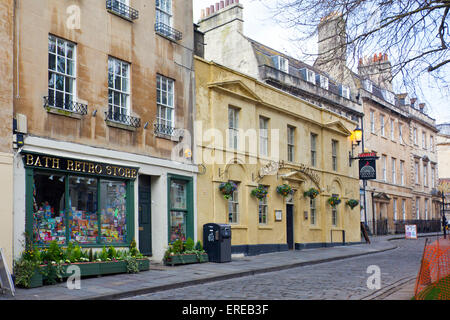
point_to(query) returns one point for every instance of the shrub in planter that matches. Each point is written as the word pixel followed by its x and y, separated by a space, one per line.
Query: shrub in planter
pixel 260 192
pixel 179 252
pixel 312 193
pixel 284 190
pixel 227 189
pixel 352 203
pixel 334 201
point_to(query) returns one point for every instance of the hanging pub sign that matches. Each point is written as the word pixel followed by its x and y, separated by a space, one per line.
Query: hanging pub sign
pixel 367 166
pixel 42 161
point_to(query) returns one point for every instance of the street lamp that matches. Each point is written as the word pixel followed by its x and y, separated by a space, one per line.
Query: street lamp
pixel 356 139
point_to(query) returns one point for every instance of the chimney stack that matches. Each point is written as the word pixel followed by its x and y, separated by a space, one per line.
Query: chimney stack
pixel 378 69
pixel 222 13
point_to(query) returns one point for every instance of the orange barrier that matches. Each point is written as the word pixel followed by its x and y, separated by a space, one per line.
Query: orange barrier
pixel 433 280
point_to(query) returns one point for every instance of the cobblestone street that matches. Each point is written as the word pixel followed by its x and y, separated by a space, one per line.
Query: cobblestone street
pixel 337 280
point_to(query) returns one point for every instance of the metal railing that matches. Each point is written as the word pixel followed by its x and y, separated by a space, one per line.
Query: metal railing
pixel 163 129
pixel 423 226
pixel 168 31
pixel 70 106
pixel 123 119
pixel 122 9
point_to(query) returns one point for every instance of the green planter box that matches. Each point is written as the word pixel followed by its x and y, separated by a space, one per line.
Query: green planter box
pixel 90 269
pixel 144 264
pixel 186 259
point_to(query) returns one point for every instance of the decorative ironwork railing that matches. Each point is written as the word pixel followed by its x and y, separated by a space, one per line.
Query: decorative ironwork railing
pixel 123 119
pixel 168 31
pixel 163 129
pixel 70 106
pixel 122 9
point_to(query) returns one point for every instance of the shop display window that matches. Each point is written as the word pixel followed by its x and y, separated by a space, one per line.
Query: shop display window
pixel 82 213
pixel 113 211
pixel 79 209
pixel 49 208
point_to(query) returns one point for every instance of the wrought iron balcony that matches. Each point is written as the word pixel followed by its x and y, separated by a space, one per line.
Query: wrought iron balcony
pixel 162 129
pixel 121 9
pixel 123 119
pixel 70 106
pixel 168 32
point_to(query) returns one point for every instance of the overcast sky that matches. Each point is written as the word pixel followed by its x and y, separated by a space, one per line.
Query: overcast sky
pixel 258 25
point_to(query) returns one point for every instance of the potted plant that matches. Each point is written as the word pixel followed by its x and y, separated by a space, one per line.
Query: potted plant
pixel 284 190
pixel 260 192
pixel 312 193
pixel 352 203
pixel 227 189
pixel 334 201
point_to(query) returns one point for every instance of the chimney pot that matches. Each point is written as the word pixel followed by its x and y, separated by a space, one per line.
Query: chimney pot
pixel 222 4
pixel 208 12
pixel 202 14
pixel 211 9
pixel 237 1
pixel 217 6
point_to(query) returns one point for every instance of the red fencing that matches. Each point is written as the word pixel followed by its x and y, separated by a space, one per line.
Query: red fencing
pixel 433 280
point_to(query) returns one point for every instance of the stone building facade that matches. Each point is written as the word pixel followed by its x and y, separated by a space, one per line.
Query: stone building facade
pixel 6 127
pixel 106 89
pixel 398 129
pixel 269 91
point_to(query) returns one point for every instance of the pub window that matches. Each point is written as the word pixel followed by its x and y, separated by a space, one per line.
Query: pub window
pixel 233 206
pixel 263 209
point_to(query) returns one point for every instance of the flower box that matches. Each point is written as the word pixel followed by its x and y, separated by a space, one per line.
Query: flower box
pixel 88 269
pixel 186 259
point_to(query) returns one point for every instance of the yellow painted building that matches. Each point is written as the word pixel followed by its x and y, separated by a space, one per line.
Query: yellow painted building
pixel 253 134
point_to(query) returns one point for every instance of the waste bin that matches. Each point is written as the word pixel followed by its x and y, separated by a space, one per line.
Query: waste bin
pixel 217 242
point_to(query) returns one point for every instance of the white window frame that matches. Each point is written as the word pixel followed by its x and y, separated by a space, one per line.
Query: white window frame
pixel 416 173
pixel 263 136
pixel 310 76
pixel 425 174
pixel 313 142
pixel 113 92
pixel 165 101
pixel 324 82
pixel 392 123
pixel 426 208
pixel 233 203
pixel 56 75
pixel 291 143
pixel 384 163
pixel 395 209
pixel 233 128
pixel 334 154
pixel 402 172
pixel 345 90
pixel 163 12
pixel 382 125
pixel 312 210
pixel 372 121
pixel 404 209
pixel 394 170
pixel 263 210
pixel 400 133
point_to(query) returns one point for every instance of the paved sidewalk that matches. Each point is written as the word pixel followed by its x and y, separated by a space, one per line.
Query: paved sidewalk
pixel 161 277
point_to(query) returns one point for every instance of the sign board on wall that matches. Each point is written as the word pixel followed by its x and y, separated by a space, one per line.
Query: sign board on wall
pixel 6 282
pixel 367 166
pixel 411 231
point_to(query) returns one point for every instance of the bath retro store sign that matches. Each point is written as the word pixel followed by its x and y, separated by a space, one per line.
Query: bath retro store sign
pixel 367 166
pixel 40 161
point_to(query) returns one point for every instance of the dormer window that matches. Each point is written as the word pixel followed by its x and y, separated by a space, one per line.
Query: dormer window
pixel 308 75
pixel 281 63
pixel 345 91
pixel 322 81
pixel 368 85
pixel 389 97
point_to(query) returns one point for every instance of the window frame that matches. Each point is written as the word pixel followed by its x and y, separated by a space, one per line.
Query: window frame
pixel 233 128
pixel 313 147
pixel 234 201
pixel 334 155
pixel 169 109
pixel 291 143
pixel 55 73
pixel 112 91
pixel 263 136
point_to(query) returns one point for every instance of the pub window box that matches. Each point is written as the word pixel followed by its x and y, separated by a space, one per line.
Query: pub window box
pixel 121 9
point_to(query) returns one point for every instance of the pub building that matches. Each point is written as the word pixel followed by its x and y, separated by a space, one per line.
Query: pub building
pixel 97 204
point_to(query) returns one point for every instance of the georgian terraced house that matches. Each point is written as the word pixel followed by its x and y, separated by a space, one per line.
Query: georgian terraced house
pixel 102 93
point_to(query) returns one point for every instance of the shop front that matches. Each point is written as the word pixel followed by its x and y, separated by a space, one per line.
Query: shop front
pixel 71 200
